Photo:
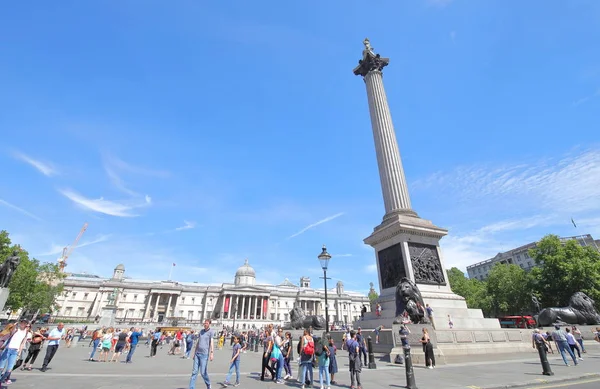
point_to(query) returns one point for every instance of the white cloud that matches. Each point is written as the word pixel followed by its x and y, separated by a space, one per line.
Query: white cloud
pixel 188 226
pixel 118 182
pixel 18 209
pixel 58 249
pixel 585 99
pixel 340 255
pixel 45 168
pixel 372 268
pixel 568 184
pixel 113 208
pixel 313 225
pixel 124 166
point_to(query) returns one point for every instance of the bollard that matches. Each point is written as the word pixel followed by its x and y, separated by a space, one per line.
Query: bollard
pixel 256 344
pixel 410 374
pixel 544 359
pixel 372 364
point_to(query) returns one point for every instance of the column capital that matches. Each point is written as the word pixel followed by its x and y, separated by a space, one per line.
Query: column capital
pixel 370 61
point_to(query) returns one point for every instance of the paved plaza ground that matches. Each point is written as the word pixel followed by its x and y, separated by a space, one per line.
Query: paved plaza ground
pixel 71 370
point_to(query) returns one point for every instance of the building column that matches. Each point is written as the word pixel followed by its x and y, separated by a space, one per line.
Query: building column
pixel 252 304
pixel 222 311
pixel 156 306
pixel 260 301
pixel 243 305
pixel 168 306
pixel 147 306
pixel 391 172
pixel 205 298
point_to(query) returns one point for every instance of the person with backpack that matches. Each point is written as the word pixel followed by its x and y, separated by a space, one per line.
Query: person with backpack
pixel 322 355
pixel 268 345
pixel 307 347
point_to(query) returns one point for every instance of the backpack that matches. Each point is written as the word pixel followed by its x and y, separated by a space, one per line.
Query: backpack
pixel 309 348
pixel 319 348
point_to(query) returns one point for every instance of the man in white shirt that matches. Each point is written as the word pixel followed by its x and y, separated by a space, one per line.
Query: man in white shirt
pixel 11 353
pixel 53 340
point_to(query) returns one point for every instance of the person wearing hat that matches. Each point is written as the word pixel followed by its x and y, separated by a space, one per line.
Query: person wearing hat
pixel 12 348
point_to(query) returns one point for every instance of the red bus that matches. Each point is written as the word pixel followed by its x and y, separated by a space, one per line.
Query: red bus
pixel 517 322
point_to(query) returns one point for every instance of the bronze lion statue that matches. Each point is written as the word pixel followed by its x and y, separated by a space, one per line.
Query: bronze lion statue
pixel 300 320
pixel 409 299
pixel 580 311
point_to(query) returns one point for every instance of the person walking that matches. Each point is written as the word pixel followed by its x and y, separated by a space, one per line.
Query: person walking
pixel 134 338
pixel 573 345
pixel 96 339
pixel 35 346
pixel 355 364
pixel 333 367
pixel 429 312
pixel 11 352
pixel 234 364
pixel 362 343
pixel 189 344
pixel 155 340
pixel 578 337
pixel 204 353
pixel 54 338
pixel 323 360
pixel 560 338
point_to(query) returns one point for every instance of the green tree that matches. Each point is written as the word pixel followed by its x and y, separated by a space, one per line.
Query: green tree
pixel 34 285
pixel 509 288
pixel 473 290
pixel 563 269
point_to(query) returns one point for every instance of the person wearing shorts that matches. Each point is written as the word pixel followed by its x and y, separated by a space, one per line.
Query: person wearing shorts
pixel 120 346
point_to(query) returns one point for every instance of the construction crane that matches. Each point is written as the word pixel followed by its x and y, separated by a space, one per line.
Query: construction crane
pixel 67 251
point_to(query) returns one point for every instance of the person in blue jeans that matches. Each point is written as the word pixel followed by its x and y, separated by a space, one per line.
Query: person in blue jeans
pixel 16 342
pixel 189 343
pixel 96 338
pixel 133 342
pixel 560 338
pixel 204 353
pixel 234 363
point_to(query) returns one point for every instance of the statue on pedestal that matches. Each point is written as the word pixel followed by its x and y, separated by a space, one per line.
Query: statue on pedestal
pixel 8 268
pixel 299 320
pixel 580 311
pixel 409 300
pixel 112 298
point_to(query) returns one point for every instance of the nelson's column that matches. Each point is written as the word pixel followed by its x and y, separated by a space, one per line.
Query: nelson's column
pixel 405 244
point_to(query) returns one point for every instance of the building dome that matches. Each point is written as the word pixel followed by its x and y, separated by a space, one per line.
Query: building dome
pixel 120 267
pixel 245 275
pixel 245 270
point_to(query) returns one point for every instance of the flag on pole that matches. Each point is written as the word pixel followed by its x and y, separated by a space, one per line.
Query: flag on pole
pixel 573 221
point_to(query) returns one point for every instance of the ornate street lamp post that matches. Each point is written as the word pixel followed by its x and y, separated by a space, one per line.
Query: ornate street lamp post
pixel 324 258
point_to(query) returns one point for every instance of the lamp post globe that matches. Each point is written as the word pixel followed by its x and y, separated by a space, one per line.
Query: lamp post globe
pixel 324 258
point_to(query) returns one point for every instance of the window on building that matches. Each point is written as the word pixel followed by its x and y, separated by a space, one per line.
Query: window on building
pixel 135 297
pixel 279 316
pixel 183 300
pixel 199 314
pixel 131 313
pixel 278 304
pixel 141 313
pixel 74 295
pixel 85 296
pixel 272 316
pixel 68 311
pixel 190 315
pixel 285 316
pixel 194 300
pixel 80 311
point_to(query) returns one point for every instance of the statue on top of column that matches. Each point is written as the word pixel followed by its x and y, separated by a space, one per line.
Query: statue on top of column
pixel 370 61
pixel 8 268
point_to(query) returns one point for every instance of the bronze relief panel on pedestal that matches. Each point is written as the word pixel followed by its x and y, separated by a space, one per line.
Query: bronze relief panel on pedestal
pixel 391 266
pixel 426 264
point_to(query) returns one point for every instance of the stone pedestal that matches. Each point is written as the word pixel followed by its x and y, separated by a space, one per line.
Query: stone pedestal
pixel 108 316
pixel 4 292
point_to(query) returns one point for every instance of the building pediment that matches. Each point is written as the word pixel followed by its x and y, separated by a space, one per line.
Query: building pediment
pixel 245 289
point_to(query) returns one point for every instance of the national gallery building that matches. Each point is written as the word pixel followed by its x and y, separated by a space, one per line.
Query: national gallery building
pixel 188 303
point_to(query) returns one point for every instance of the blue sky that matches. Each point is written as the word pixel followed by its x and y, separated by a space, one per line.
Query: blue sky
pixel 203 133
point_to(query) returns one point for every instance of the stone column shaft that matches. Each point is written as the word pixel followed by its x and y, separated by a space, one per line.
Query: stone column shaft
pixel 243 306
pixel 391 174
pixel 168 306
pixel 156 306
pixel 147 306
